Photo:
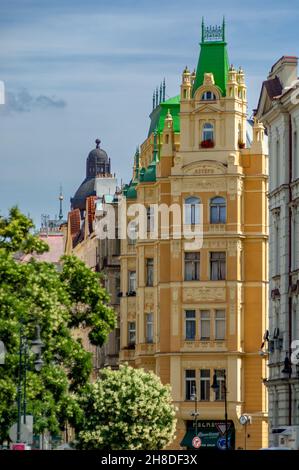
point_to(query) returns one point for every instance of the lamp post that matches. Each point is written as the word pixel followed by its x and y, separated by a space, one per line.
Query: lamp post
pixel 195 413
pixel 215 386
pixel 36 347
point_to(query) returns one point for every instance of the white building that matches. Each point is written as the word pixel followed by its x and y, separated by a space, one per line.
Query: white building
pixel 278 109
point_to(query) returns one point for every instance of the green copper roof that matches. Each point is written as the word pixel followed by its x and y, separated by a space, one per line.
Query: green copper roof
pixel 158 115
pixel 131 192
pixel 213 57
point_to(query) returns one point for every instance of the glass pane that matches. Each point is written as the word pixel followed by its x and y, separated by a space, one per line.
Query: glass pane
pixel 214 215
pixel 222 214
pixel 190 329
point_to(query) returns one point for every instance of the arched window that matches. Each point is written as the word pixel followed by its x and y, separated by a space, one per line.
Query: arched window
pixel 218 210
pixel 208 96
pixel 192 210
pixel 208 132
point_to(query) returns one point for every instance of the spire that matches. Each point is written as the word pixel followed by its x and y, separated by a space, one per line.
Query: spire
pixel 60 203
pixel 160 97
pixel 213 57
pixel 154 100
pixel 157 96
pixel 164 89
pixel 136 158
pixel 155 152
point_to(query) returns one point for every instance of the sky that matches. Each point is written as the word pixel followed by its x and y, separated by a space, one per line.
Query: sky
pixel 77 70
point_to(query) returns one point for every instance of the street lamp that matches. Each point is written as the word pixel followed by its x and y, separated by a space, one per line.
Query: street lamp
pixel 36 348
pixel 215 386
pixel 195 413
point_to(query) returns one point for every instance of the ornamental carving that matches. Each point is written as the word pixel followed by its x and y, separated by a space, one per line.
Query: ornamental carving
pixel 204 168
pixel 199 294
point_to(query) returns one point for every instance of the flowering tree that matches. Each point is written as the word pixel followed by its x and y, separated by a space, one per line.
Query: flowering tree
pixel 126 409
pixel 57 300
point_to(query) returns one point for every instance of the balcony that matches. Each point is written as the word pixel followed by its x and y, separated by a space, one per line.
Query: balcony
pixel 145 348
pixel 203 346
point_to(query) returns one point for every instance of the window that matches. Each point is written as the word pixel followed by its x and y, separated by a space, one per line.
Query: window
pixel 191 209
pixel 208 96
pixel 132 281
pixel 192 266
pixel 218 266
pixel 218 210
pixel 205 325
pixel 149 272
pixel 131 333
pixel 132 233
pixel 220 379
pixel 149 328
pixel 190 322
pixel 190 383
pixel 220 324
pixel 205 385
pixel 208 132
pixel 150 219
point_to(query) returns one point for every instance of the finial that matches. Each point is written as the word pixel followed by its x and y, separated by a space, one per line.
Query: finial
pixel 160 97
pixel 202 29
pixel 223 29
pixel 97 141
pixel 164 90
pixel 157 96
pixel 154 100
pixel 60 203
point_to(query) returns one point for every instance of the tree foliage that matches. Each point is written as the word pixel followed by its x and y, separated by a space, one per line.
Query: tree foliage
pixel 57 300
pixel 126 409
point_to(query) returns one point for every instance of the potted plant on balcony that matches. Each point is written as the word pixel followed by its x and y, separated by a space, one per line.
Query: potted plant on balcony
pixel 206 144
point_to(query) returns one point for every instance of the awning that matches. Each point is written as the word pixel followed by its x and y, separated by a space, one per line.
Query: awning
pixel 187 439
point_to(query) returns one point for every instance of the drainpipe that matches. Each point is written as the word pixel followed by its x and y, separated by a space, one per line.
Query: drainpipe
pixel 290 257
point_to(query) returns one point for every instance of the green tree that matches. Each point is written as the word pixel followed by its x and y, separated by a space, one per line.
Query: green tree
pixel 58 300
pixel 126 409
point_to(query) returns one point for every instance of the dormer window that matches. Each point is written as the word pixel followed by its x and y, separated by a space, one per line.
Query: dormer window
pixel 208 96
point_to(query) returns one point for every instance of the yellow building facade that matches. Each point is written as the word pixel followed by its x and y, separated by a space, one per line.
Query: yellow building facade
pixel 196 314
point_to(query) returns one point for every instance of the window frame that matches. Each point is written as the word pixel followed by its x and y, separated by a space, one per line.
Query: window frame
pixel 204 96
pixel 220 391
pixel 149 326
pixel 204 385
pixel 131 272
pixel 217 321
pixel 130 330
pixel 218 206
pixel 219 262
pixel 192 321
pixel 191 387
pixel 208 127
pixel 149 267
pixel 195 265
pixel 206 320
pixel 192 210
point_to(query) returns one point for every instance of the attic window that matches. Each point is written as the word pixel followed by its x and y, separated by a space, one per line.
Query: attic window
pixel 208 96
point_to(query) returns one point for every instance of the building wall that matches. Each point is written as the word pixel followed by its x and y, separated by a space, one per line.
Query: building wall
pixel 280 116
pixel 240 177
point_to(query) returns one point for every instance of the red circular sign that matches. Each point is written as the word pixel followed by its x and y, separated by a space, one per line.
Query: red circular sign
pixel 196 442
